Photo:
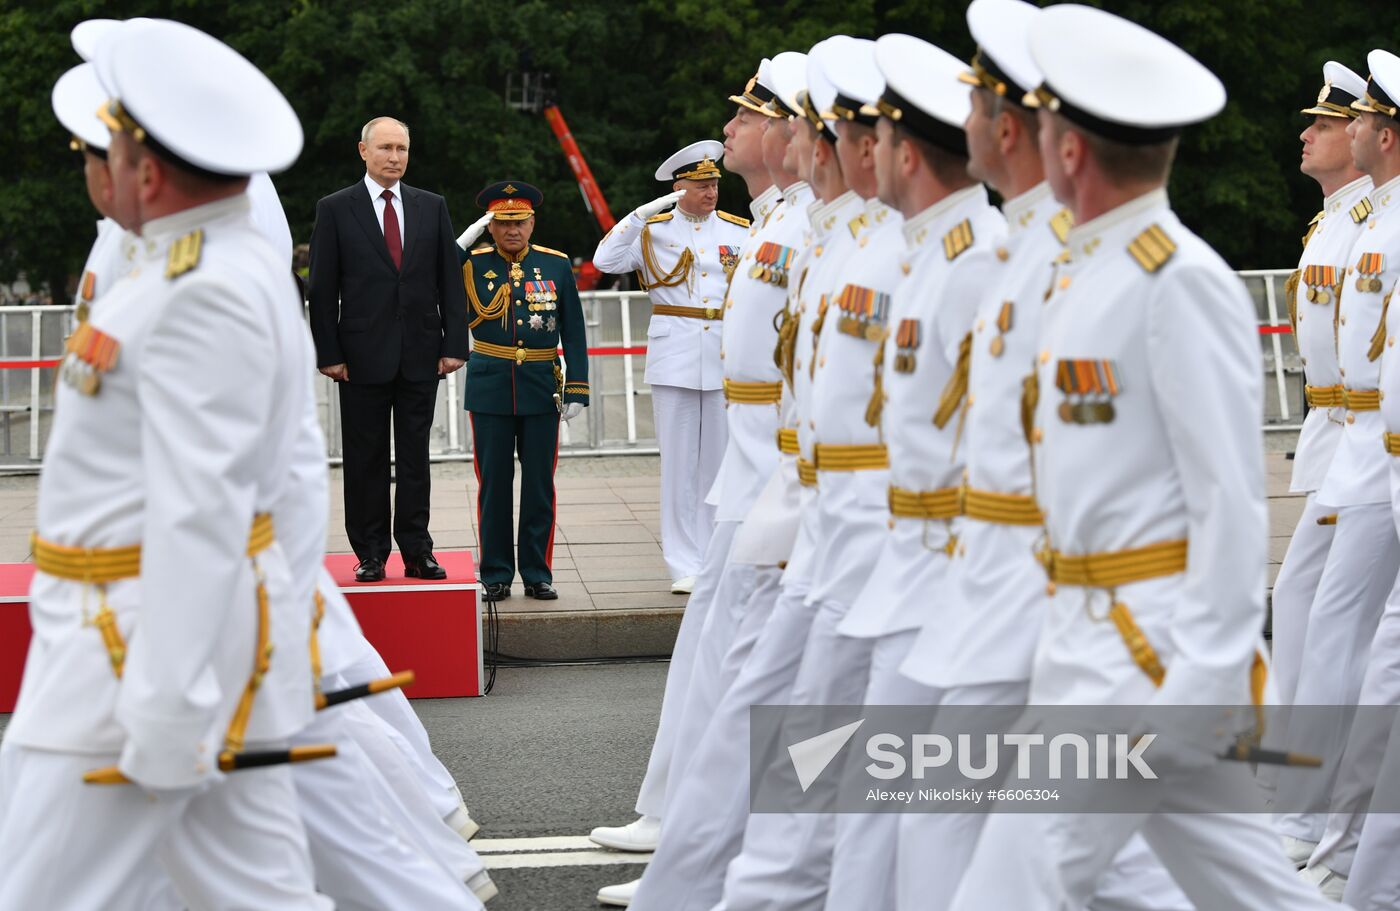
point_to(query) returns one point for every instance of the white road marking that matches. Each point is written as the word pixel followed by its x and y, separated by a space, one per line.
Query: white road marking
pixel 562 859
pixel 551 851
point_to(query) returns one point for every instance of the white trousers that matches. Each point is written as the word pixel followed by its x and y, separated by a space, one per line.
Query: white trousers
pixel 1364 759
pixel 237 845
pixel 935 849
pixel 692 432
pixel 651 798
pixel 864 858
pixel 709 797
pixel 363 844
pixel 1056 861
pixel 1295 589
pixel 730 630
pixel 394 709
pixel 1361 569
pixel 785 861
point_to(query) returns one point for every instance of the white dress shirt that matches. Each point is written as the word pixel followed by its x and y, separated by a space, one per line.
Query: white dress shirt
pixel 377 198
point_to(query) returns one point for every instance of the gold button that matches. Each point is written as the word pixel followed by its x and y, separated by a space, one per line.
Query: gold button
pixel 822 362
pixel 904 267
pixel 797 362
pixel 704 300
pixel 1050 589
pixel 970 398
pixel 1037 435
pixel 520 343
pixel 702 249
pixel 891 524
pixel 1300 317
pixel 962 550
pixel 1045 356
pixel 520 322
pixel 1344 319
pixel 1342 371
pixel 1351 418
pixel 721 355
pixel 981 324
pixel 704 275
pixel 1064 282
pixel 1003 254
pixel 707 328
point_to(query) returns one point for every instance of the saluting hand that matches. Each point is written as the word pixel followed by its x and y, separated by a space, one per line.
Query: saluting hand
pixel 448 365
pixel 466 238
pixel 661 202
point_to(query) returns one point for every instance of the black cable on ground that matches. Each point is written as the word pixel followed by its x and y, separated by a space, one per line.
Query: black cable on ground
pixel 499 660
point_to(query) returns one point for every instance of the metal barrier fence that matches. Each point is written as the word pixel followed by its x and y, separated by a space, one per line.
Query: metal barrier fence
pixel 619 420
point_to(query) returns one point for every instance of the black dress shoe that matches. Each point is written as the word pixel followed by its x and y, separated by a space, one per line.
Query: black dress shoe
pixel 495 591
pixel 369 571
pixel 424 567
pixel 541 591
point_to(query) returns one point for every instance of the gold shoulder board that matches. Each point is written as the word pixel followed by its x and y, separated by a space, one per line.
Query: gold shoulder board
pixel 664 216
pixel 1060 223
pixel 482 249
pixel 957 240
pixel 1362 210
pixel 184 254
pixel 550 250
pixel 1152 248
pixel 733 219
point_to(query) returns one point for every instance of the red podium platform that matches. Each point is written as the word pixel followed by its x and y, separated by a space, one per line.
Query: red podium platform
pixel 431 628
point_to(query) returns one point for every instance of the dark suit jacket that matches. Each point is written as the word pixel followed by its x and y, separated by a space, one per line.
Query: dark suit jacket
pixel 374 318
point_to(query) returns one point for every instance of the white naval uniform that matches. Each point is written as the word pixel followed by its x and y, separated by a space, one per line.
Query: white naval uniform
pixel 782 859
pixel 683 366
pixel 651 796
pixel 947 257
pixel 1365 554
pixel 981 622
pixel 1314 307
pixel 1176 457
pixel 707 802
pixel 1373 880
pixel 107 261
pixel 177 457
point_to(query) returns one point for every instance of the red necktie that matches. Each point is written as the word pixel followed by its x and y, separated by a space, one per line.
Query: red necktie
pixel 391 230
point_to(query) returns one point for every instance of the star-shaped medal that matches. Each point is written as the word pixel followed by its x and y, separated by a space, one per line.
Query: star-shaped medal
pixel 549 324
pixel 536 321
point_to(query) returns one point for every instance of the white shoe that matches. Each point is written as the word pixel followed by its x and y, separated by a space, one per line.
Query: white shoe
pixel 461 822
pixel 683 586
pixel 1329 882
pixel 639 835
pixel 482 887
pixel 619 896
pixel 1298 851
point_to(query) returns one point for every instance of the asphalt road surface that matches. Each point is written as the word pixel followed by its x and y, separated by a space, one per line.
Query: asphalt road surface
pixel 551 753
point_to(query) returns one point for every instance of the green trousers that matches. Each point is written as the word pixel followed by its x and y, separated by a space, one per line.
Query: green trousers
pixel 497 440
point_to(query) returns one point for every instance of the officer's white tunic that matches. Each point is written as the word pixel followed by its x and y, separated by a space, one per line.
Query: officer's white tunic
pixel 981 622
pixel 1178 458
pixel 683 365
pixel 1365 554
pixel 1314 305
pixel 179 458
pixel 1368 857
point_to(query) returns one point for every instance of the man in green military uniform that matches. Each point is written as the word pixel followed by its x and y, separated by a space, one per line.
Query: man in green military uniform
pixel 523 305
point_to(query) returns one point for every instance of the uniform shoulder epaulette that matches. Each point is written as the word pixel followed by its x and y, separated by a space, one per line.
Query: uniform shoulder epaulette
pixel 733 219
pixel 1060 224
pixel 487 248
pixel 1152 248
pixel 549 250
pixel 184 254
pixel 1362 210
pixel 956 241
pixel 664 216
pixel 1313 225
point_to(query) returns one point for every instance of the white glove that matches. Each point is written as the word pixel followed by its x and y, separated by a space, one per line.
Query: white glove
pixel 571 410
pixel 656 205
pixel 472 233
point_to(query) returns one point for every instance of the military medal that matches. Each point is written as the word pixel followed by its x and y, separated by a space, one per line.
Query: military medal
pixel 516 273
pixel 906 340
pixel 536 321
pixel 998 345
pixel 863 312
pixel 1089 387
pixel 1320 280
pixel 88 354
pixel 550 324
pixel 771 263
pixel 728 258
pixel 1368 269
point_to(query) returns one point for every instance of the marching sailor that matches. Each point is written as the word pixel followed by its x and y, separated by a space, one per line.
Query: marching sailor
pixel 1149 472
pixel 158 568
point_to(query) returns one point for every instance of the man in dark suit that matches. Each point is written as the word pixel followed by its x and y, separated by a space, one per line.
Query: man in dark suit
pixel 388 314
